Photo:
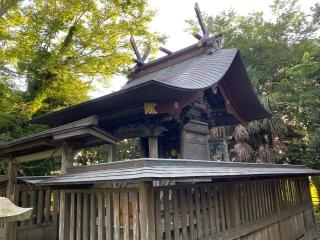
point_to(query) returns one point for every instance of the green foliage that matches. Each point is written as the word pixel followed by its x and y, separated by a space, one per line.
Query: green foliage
pixel 282 56
pixel 52 52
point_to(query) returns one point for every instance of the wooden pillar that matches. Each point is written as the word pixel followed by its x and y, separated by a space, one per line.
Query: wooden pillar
pixel 11 228
pixel 146 204
pixel 112 149
pixel 67 157
pixel 153 147
pixel 144 147
pixel 225 151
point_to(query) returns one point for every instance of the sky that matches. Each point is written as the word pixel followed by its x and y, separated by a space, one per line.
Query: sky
pixel 170 20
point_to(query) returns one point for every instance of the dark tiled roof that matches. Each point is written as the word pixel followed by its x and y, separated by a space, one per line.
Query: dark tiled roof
pixel 167 78
pixel 196 73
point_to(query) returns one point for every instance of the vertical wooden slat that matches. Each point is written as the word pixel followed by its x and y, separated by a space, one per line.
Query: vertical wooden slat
pixel 157 215
pixel 256 200
pixel 199 222
pixel 40 207
pixel 125 198
pixel 135 216
pixel 216 208
pixel 24 203
pixel 191 212
pixel 183 204
pixel 233 206
pixel 204 203
pixel 227 207
pixel 79 216
pixel 167 215
pixel 221 209
pixel 146 207
pixel 33 203
pixel 85 219
pixel 72 217
pixel 108 221
pixel 211 211
pixel 47 205
pixel 92 216
pixel 175 214
pixel 62 220
pixel 100 215
pixel 116 216
pixel 55 219
pixel 248 207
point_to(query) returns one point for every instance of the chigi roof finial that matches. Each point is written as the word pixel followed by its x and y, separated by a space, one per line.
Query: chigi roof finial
pixel 206 30
pixel 139 60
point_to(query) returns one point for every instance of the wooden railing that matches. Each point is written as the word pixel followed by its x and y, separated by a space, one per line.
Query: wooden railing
pixel 101 214
pixel 275 209
pixel 231 210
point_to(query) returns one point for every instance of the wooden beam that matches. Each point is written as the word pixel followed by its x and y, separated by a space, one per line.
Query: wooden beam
pixel 146 205
pixel 67 157
pixel 153 147
pixel 39 155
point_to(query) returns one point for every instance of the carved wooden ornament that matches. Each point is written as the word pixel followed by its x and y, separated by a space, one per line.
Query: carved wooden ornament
pixel 150 108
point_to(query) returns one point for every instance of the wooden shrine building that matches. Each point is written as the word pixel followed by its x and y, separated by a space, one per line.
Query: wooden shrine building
pixel 174 191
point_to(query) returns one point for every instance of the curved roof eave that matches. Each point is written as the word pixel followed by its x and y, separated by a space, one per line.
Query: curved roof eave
pixel 196 74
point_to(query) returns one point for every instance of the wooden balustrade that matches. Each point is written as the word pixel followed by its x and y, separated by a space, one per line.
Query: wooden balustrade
pixel 259 209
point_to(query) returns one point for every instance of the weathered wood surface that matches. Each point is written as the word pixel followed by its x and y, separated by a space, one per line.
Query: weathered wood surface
pixel 261 209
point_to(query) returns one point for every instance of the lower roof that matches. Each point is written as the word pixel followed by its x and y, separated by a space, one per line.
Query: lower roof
pixel 179 169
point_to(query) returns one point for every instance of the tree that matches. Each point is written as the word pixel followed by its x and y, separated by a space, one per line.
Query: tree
pixel 52 52
pixel 59 48
pixel 270 49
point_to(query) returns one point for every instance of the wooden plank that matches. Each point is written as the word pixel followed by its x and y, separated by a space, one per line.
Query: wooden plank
pixel 227 207
pixel 116 216
pixel 62 221
pixel 135 216
pixel 199 222
pixel 233 206
pixel 167 215
pixel 175 214
pixel 211 210
pixel 40 206
pixel 85 219
pixel 72 225
pixel 24 204
pixel 157 215
pixel 79 217
pixel 191 212
pixel 55 220
pixel 108 216
pixel 216 208
pixel 125 199
pixel 47 205
pixel 221 209
pixel 92 216
pixel 204 207
pixel 33 203
pixel 146 204
pixel 100 215
pixel 39 155
pixel 183 204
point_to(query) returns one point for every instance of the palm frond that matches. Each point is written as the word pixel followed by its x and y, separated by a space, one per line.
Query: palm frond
pixel 243 151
